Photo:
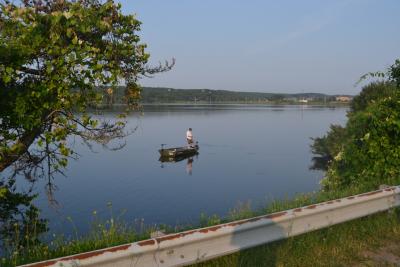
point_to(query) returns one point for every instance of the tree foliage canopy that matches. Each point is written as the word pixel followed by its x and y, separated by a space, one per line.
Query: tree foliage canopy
pixel 52 56
pixel 366 152
pixel 371 93
pixel 327 147
pixel 371 155
pixel 20 224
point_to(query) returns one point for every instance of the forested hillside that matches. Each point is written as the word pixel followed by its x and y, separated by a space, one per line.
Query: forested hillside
pixel 170 95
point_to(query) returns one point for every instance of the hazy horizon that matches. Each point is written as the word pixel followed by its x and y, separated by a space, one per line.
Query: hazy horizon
pixel 241 91
pixel 268 46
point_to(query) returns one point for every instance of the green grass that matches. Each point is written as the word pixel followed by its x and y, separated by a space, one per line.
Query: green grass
pixel 339 243
pixel 102 234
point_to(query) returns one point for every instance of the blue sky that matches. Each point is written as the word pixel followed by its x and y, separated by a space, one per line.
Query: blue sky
pixel 269 46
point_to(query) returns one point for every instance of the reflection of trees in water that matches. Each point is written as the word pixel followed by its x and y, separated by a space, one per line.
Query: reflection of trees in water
pixel 20 225
pixel 320 163
pixel 325 148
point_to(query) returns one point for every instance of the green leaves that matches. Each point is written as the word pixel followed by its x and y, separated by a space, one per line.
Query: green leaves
pixel 64 150
pixel 371 157
pixel 369 151
pixel 75 40
pixel 394 73
pixel 3 192
pixel 391 75
pixel 52 56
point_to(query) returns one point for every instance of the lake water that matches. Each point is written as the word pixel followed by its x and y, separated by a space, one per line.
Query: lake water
pixel 247 154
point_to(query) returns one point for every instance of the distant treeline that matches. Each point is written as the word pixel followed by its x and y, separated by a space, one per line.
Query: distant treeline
pixel 153 95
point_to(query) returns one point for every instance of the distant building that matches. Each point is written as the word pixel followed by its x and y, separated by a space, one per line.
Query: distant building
pixel 303 100
pixel 343 98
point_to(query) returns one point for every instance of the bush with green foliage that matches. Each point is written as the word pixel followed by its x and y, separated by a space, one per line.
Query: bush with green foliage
pixel 366 153
pixel 371 155
pixel 372 93
pixel 20 225
pixel 328 146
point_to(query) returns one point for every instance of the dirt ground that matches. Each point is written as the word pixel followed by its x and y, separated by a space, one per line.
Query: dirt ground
pixel 387 255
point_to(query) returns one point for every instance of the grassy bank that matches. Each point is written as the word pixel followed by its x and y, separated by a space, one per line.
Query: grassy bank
pixel 356 242
pixel 342 242
pixel 103 234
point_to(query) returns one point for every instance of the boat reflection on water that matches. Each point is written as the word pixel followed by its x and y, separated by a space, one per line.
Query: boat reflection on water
pixel 189 161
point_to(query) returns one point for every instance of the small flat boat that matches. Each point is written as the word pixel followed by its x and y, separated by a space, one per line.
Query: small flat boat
pixel 177 152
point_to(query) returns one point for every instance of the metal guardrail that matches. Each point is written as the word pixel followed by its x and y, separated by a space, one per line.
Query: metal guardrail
pixel 210 242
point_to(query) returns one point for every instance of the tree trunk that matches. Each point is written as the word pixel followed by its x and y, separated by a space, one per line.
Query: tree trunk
pixel 18 149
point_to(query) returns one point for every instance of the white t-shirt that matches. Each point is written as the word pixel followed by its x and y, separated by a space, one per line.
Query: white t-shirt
pixel 189 135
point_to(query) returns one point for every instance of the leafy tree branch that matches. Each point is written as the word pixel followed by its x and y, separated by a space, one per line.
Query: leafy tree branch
pixel 53 56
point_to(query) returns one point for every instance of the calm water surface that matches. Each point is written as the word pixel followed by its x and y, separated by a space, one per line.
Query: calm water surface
pixel 247 154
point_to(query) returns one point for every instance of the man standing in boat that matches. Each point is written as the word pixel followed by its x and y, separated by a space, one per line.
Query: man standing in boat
pixel 189 137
